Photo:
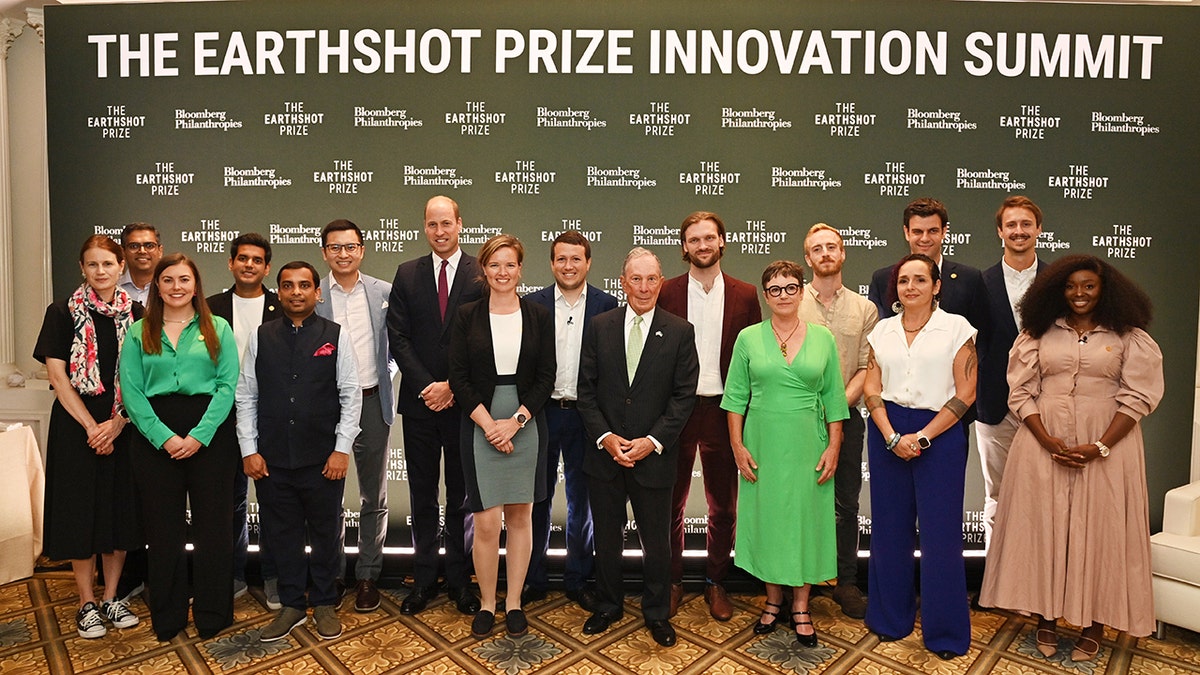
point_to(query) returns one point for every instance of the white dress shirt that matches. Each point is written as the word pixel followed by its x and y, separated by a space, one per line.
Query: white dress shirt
pixel 706 312
pixel 352 312
pixel 920 375
pixel 1016 283
pixel 568 340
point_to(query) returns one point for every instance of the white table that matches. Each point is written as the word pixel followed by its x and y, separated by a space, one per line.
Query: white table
pixel 22 486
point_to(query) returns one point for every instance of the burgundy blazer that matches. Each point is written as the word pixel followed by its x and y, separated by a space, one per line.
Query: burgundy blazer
pixel 741 309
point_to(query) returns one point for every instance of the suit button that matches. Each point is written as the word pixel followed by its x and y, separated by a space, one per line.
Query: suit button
pixel 628 401
pixel 292 399
pixel 291 421
pixel 294 376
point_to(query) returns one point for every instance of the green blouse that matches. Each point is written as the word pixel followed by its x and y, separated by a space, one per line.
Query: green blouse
pixel 180 369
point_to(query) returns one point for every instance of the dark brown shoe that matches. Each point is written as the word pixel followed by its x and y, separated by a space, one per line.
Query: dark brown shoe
pixel 718 602
pixel 676 596
pixel 366 596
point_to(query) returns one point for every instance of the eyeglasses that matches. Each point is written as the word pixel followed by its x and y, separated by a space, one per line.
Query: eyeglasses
pixel 338 248
pixel 141 246
pixel 776 291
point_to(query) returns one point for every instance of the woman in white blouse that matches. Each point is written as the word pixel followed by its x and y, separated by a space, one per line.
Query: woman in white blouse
pixel 920 382
pixel 502 367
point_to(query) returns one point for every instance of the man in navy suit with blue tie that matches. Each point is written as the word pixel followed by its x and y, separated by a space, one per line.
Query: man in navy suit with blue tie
pixel 573 302
pixel 426 294
pixel 1018 223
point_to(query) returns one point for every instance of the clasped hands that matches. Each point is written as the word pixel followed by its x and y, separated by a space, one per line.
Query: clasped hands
pixel 181 448
pixel 101 436
pixel 907 448
pixel 437 396
pixel 1074 457
pixel 500 434
pixel 627 452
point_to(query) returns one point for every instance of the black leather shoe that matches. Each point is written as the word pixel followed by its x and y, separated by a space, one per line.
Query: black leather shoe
pixel 584 597
pixel 599 622
pixel 662 632
pixel 418 599
pixel 806 641
pixel 531 595
pixel 464 600
pixel 946 655
pixel 481 626
pixel 515 623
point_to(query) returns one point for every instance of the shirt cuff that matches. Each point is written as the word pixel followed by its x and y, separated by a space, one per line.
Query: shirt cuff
pixel 600 441
pixel 658 447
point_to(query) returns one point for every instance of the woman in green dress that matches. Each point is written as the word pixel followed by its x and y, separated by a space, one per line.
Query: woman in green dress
pixel 786 403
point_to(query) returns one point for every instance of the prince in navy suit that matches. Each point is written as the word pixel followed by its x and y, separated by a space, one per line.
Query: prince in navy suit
pixel 574 303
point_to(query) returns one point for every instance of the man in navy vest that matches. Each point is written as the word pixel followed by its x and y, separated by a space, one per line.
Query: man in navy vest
pixel 298 405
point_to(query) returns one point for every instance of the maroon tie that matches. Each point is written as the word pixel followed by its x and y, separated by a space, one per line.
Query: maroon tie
pixel 443 290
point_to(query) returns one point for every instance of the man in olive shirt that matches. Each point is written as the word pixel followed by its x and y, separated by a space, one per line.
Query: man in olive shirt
pixel 850 317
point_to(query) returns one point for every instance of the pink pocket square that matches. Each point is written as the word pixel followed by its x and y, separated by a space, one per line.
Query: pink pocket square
pixel 325 350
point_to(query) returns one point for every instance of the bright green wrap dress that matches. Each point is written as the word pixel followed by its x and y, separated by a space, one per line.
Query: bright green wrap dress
pixel 785 522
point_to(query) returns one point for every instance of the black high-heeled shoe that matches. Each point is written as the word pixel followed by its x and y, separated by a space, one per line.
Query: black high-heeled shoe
pixel 761 628
pixel 808 641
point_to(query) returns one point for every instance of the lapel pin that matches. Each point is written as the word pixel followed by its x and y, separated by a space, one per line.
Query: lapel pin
pixel 658 333
pixel 954 275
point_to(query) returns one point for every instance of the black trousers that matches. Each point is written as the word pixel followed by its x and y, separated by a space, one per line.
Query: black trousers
pixel 652 512
pixel 426 443
pixel 167 486
pixel 294 504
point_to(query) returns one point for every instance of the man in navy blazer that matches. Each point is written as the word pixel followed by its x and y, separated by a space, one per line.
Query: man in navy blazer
pixel 718 306
pixel 574 303
pixel 426 294
pixel 1018 224
pixel 246 305
pixel 925 225
pixel 637 387
pixel 359 304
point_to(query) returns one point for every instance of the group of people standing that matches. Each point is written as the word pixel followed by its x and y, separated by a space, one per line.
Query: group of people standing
pixel 1053 366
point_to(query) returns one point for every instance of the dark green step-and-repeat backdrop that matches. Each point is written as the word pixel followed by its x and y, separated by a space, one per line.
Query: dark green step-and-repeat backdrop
pixel 620 118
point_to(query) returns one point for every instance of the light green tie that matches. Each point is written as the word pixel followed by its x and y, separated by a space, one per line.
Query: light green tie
pixel 633 352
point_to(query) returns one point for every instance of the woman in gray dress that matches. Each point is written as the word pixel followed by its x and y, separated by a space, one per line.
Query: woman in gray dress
pixel 502 370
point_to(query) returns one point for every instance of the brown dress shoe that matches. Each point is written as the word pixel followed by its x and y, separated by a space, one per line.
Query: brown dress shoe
pixel 718 602
pixel 366 596
pixel 676 596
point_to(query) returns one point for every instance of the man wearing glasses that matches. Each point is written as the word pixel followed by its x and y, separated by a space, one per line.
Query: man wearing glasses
pixel 359 304
pixel 143 248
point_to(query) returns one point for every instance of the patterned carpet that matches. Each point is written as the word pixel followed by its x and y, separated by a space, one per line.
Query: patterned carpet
pixel 37 636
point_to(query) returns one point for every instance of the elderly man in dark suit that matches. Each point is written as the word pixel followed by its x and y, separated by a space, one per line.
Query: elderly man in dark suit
pixel 637 387
pixel 574 303
pixel 1018 224
pixel 718 306
pixel 246 305
pixel 426 294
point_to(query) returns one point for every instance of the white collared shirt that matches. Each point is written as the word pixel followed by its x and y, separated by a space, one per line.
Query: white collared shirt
pixel 706 312
pixel 451 268
pixel 136 293
pixel 920 375
pixel 647 319
pixel 1016 283
pixel 352 311
pixel 568 340
pixel 247 316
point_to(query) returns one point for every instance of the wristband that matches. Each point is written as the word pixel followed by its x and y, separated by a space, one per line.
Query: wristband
pixel 891 444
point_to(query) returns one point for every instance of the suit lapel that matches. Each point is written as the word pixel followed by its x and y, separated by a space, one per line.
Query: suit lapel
pixel 654 342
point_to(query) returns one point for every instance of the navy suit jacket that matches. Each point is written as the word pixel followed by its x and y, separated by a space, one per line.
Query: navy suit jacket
pixel 378 291
pixel 595 303
pixel 991 400
pixel 657 403
pixel 418 337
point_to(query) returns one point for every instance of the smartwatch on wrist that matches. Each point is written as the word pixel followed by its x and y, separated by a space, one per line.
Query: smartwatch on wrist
pixel 923 441
pixel 521 419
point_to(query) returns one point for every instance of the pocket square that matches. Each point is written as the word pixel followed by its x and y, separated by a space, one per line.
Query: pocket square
pixel 325 350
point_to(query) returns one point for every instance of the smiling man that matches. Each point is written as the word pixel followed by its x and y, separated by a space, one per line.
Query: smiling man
pixel 718 306
pixel 143 248
pixel 246 305
pixel 358 303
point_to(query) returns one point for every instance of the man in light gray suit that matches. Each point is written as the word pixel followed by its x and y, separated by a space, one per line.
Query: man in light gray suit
pixel 359 304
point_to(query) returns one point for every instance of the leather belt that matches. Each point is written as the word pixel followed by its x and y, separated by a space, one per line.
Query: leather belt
pixel 564 403
pixel 370 391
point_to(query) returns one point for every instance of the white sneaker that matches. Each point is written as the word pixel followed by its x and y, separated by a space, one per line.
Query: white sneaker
pixel 118 613
pixel 271 590
pixel 88 622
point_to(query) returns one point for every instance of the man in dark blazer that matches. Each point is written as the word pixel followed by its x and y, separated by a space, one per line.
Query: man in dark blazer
pixel 1018 224
pixel 718 306
pixel 637 387
pixel 358 303
pixel 426 294
pixel 246 305
pixel 574 303
pixel 925 225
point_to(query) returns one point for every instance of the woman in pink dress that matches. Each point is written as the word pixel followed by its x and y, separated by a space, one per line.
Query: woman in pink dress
pixel 1072 536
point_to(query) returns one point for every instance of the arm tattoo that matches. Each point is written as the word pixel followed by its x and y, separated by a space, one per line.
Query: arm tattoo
pixel 871 359
pixel 876 401
pixel 956 406
pixel 972 358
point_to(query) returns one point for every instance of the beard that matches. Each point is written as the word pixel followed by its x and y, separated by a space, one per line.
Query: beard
pixel 716 258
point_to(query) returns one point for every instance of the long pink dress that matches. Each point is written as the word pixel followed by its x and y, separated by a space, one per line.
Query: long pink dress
pixel 1075 543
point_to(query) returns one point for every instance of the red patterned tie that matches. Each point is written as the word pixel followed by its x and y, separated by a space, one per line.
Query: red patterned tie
pixel 443 290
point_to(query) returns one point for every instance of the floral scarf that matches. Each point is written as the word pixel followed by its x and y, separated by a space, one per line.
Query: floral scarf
pixel 84 368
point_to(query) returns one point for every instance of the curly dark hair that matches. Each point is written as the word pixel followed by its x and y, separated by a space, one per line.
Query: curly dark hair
pixel 1123 304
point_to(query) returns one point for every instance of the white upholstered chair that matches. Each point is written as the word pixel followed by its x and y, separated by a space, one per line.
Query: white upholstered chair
pixel 1175 561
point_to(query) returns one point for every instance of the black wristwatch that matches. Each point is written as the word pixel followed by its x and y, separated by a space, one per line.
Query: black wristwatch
pixel 521 419
pixel 923 441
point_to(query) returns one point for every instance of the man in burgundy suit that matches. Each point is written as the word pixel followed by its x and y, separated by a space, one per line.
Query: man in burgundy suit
pixel 719 307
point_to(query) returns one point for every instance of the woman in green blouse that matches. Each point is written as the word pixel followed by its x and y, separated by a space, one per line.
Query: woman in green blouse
pixel 179 368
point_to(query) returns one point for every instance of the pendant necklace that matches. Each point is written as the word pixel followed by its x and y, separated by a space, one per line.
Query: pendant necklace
pixel 784 340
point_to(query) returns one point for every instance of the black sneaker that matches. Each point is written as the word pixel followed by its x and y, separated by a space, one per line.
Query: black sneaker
pixel 88 622
pixel 118 613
